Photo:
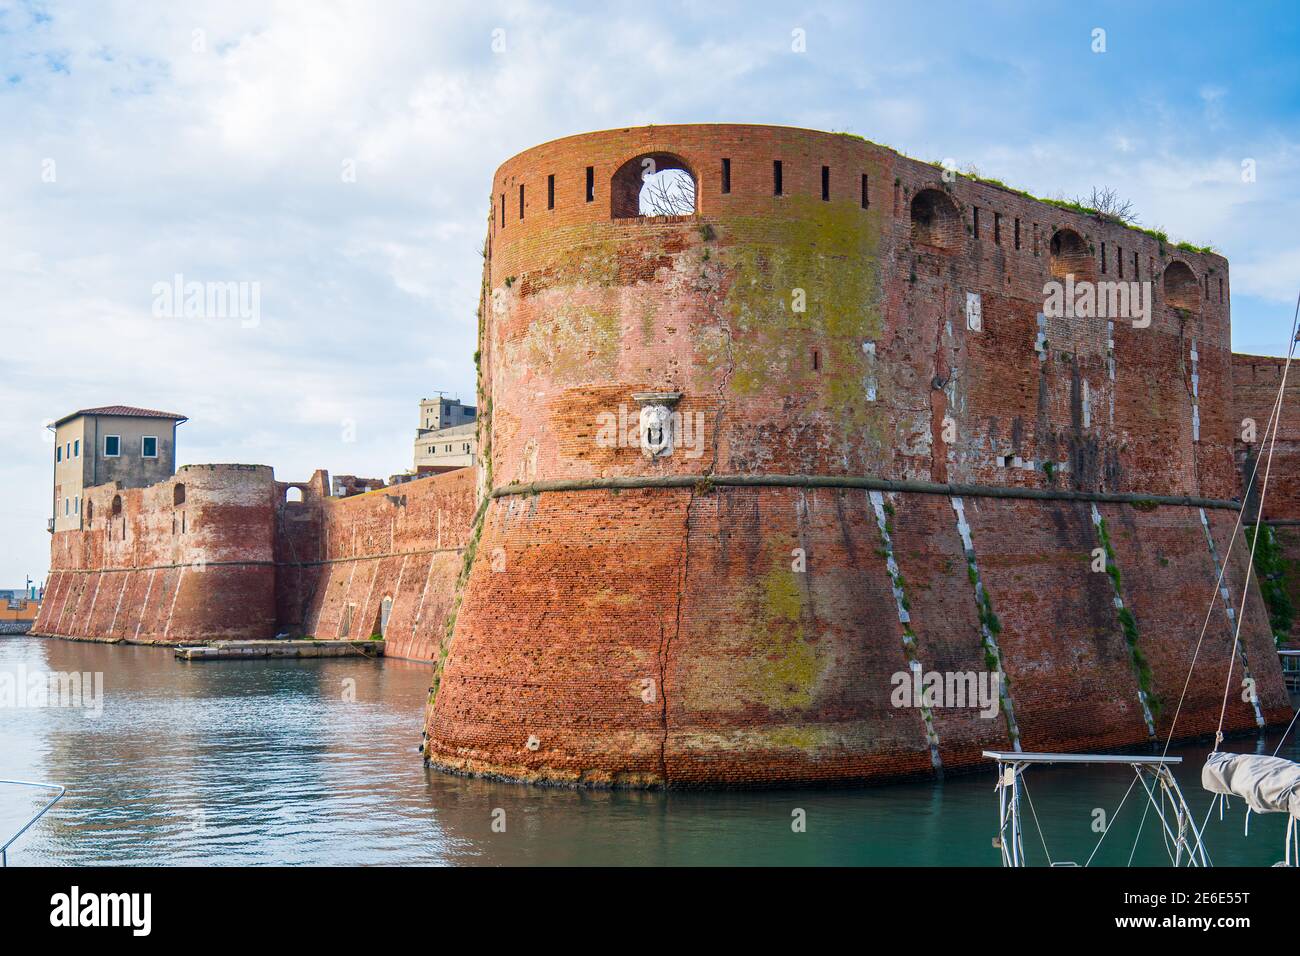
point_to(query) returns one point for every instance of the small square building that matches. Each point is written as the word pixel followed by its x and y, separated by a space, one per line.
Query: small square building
pixel 135 447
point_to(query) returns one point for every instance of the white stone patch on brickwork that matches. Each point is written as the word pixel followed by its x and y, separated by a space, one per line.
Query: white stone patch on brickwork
pixel 144 606
pixel 870 383
pixel 1226 596
pixel 1040 339
pixel 990 640
pixel 974 312
pixel 904 617
pixel 918 441
pixel 117 610
pixel 1110 368
pixel 1119 606
pixel 180 579
pixel 1196 393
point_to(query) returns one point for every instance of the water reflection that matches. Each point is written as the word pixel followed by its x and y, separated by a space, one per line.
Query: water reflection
pixel 314 762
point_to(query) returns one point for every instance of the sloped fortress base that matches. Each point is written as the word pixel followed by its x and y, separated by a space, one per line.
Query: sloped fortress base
pixel 709 661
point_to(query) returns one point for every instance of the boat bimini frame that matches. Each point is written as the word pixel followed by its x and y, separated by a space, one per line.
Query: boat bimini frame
pixel 1182 839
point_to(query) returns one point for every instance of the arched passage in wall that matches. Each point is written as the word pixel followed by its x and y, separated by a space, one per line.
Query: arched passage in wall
pixel 178 494
pixel 653 184
pixel 936 220
pixel 1069 255
pixel 293 495
pixel 117 505
pixel 1180 287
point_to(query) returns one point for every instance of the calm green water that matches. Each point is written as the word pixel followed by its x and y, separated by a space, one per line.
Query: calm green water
pixel 266 762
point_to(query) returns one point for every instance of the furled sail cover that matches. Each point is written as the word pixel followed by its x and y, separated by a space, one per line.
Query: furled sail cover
pixel 1267 784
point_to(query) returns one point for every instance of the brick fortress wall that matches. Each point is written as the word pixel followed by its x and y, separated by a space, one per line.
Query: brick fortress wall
pixel 734 613
pixel 184 559
pixel 220 553
pixel 340 559
pixel 1256 381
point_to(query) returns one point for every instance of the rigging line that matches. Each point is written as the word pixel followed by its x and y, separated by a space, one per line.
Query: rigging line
pixel 1282 739
pixel 1165 831
pixel 1254 538
pixel 1274 415
pixel 1145 810
pixel 1034 812
pixel 1274 419
pixel 1206 822
pixel 1111 821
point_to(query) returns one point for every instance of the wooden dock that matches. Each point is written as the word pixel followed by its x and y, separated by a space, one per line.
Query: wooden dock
pixel 247 650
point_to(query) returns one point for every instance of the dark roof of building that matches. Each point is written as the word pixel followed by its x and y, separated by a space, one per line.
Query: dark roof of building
pixel 123 411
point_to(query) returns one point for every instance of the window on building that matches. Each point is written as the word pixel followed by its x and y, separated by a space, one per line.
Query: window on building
pixel 76 448
pixel 58 453
pixel 67 450
pixel 112 446
pixel 76 505
pixel 67 506
pixel 149 447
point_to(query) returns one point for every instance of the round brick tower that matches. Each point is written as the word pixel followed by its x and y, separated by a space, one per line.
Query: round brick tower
pixel 750 468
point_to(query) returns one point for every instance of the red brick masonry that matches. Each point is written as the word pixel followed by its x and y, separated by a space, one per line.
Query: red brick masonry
pixel 234 559
pixel 662 633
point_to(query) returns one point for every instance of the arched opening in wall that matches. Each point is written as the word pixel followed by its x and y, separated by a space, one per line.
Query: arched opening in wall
pixel 293 495
pixel 1070 256
pixel 1181 288
pixel 936 220
pixel 90 511
pixel 117 505
pixel 653 184
pixel 178 495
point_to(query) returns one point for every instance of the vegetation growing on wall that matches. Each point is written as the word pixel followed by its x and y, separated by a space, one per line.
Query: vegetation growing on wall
pixel 1271 570
pixel 1128 624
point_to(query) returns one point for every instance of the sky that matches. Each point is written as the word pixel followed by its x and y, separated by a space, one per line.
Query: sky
pixel 337 157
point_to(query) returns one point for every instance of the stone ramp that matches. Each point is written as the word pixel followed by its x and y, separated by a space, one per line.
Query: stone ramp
pixel 246 650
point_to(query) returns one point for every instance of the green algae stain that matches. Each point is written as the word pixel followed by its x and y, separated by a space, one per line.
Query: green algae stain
pixel 829 250
pixel 783 667
pixel 798 737
pixel 767 660
pixel 576 343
